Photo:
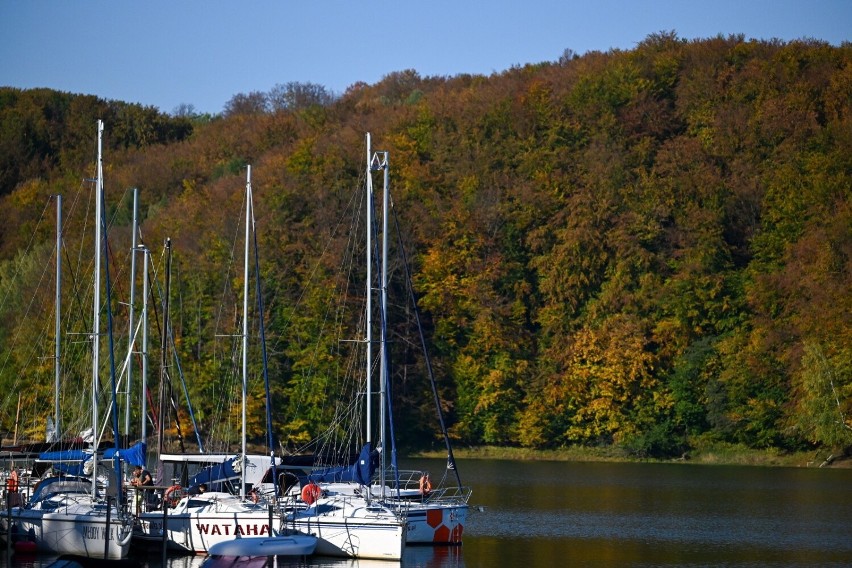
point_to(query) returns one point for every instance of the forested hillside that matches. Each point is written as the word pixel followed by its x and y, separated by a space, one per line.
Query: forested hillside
pixel 636 248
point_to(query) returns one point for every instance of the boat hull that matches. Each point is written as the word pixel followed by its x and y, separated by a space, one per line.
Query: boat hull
pixel 81 534
pixel 439 524
pixel 356 538
pixel 199 522
pixel 349 526
pixel 197 532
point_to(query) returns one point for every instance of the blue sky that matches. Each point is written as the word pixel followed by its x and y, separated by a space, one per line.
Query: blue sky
pixel 165 53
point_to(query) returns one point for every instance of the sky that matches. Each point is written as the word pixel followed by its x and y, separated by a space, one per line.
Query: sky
pixel 166 53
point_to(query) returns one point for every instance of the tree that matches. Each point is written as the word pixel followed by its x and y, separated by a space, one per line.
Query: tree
pixel 826 391
pixel 254 102
pixel 297 96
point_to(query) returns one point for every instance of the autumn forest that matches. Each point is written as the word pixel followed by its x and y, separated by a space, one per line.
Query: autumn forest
pixel 634 249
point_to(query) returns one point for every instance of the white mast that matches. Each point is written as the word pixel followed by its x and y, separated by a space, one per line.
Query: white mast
pixel 384 369
pixel 383 164
pixel 58 331
pixel 245 330
pixel 369 308
pixel 146 257
pixel 131 341
pixel 96 304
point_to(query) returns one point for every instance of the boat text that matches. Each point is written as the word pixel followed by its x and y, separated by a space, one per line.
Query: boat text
pixel 91 532
pixel 228 530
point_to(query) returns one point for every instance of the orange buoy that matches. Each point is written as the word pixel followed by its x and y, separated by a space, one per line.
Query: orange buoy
pixel 12 482
pixel 311 492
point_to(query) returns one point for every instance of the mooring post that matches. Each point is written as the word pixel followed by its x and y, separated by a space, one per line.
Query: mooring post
pixel 106 536
pixel 8 530
pixel 165 526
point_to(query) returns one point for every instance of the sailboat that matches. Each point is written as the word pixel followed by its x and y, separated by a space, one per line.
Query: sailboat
pixel 70 515
pixel 434 515
pixel 196 522
pixel 339 505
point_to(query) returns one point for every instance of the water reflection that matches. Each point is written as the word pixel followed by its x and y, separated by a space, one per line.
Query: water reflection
pixel 415 557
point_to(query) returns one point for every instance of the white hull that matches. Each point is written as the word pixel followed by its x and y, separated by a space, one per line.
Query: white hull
pixel 348 527
pixel 80 533
pixel 197 523
pixel 435 523
pixel 350 538
pixel 438 519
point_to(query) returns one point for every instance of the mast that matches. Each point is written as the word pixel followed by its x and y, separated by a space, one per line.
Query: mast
pixel 369 307
pixel 161 423
pixel 245 331
pixel 383 387
pixel 146 256
pixel 57 331
pixel 96 302
pixel 131 340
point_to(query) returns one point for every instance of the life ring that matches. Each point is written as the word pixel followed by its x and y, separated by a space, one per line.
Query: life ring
pixel 168 494
pixel 425 485
pixel 311 492
pixel 12 482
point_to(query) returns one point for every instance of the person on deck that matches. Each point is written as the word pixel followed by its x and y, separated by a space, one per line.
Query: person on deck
pixel 141 478
pixel 425 484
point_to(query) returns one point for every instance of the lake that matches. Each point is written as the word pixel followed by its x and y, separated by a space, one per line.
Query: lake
pixel 546 514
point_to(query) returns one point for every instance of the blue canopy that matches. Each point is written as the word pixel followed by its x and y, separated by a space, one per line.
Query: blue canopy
pixel 360 472
pixel 69 462
pixel 134 455
pixel 65 455
pixel 219 472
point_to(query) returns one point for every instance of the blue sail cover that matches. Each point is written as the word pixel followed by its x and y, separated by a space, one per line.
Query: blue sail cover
pixel 134 455
pixel 65 456
pixel 360 472
pixel 69 462
pixel 218 472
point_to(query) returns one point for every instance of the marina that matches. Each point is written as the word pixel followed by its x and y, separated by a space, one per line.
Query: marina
pixel 542 514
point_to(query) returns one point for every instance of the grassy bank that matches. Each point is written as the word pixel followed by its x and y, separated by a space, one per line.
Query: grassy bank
pixel 706 453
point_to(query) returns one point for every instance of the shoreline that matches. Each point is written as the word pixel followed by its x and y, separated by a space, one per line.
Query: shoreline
pixel 717 454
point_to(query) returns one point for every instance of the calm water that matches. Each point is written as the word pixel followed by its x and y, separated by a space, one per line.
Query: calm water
pixel 554 514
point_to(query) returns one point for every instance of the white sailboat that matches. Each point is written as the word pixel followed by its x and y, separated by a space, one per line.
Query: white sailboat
pixel 435 515
pixel 71 515
pixel 198 521
pixel 348 519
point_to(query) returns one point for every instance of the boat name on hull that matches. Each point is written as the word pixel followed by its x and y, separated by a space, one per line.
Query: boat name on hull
pixel 94 532
pixel 228 530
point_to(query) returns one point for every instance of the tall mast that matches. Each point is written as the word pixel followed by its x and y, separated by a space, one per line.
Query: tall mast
pixel 96 304
pixel 57 330
pixel 57 325
pixel 245 330
pixel 162 410
pixel 131 340
pixel 144 411
pixel 383 164
pixel 369 307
